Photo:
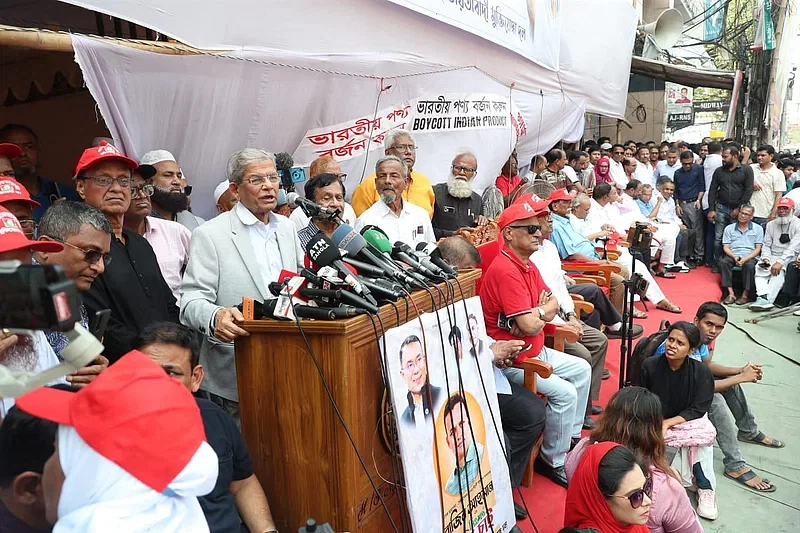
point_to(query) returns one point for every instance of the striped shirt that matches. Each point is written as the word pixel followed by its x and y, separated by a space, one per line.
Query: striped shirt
pixel 170 242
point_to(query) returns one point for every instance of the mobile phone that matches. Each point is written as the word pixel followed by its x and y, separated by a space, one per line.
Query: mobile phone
pixel 504 322
pixel 525 348
pixel 98 323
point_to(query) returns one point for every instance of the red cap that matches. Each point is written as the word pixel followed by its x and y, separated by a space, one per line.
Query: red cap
pixel 530 198
pixel 10 150
pixel 516 212
pixel 132 414
pixel 13 238
pixel 786 202
pixel 559 194
pixel 102 152
pixel 11 190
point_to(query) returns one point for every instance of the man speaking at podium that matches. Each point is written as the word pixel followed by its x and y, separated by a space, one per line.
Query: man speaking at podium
pixel 237 254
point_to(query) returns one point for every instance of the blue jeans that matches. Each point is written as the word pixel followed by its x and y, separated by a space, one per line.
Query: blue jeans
pixel 731 416
pixel 722 220
pixel 567 392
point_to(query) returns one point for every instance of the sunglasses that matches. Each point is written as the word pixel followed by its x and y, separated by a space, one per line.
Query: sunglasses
pixel 90 256
pixel 636 498
pixel 532 229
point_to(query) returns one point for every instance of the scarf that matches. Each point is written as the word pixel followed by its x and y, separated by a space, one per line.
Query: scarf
pixel 600 177
pixel 99 496
pixel 586 507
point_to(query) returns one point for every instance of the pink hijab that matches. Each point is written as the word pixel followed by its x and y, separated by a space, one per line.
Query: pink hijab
pixel 603 177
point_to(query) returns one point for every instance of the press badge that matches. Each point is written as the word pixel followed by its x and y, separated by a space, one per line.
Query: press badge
pixel 420 231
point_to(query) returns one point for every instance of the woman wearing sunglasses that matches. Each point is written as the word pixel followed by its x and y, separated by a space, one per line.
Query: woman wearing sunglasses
pixel 634 419
pixel 609 491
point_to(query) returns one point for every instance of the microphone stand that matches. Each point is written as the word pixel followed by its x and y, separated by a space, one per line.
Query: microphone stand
pixel 626 346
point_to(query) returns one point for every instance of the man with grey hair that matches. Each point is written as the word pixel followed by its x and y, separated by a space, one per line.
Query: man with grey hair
pixel 237 254
pixel 170 198
pixel 457 205
pixel 401 144
pixel 85 233
pixel 399 219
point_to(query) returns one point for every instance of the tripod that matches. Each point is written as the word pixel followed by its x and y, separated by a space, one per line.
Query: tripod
pixel 632 286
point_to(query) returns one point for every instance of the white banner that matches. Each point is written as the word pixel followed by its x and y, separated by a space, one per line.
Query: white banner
pixel 449 426
pixel 531 28
pixel 437 114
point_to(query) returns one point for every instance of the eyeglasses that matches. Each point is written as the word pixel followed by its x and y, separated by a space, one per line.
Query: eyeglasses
pixel 466 170
pixel 28 224
pixel 258 180
pixel 619 153
pixel 8 174
pixel 637 497
pixel 532 228
pixel 404 148
pixel 146 189
pixel 106 181
pixel 342 176
pixel 90 256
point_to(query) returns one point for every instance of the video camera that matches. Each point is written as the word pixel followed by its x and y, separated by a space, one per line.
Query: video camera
pixel 40 297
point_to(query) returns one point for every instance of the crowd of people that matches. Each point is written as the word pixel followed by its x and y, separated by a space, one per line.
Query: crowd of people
pixel 125 234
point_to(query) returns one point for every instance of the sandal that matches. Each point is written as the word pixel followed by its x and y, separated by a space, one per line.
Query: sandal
pixel 664 274
pixel 747 476
pixel 729 300
pixel 639 314
pixel 669 307
pixel 760 438
pixel 742 301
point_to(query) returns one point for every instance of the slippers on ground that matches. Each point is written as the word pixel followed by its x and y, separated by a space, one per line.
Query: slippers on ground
pixel 742 301
pixel 747 476
pixel 669 307
pixel 639 314
pixel 668 275
pixel 760 438
pixel 729 300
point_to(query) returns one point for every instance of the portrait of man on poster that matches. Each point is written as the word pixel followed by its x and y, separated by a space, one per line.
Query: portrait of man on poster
pixel 422 396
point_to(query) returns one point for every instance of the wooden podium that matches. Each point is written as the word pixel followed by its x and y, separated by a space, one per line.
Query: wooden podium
pixel 301 453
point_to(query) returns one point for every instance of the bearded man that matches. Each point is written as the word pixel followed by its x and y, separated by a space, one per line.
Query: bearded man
pixel 171 195
pixel 457 205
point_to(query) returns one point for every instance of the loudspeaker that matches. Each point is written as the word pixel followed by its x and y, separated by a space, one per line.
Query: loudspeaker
pixel 666 30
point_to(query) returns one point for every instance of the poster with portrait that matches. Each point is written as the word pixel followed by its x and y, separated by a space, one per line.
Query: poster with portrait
pixel 449 428
pixel 680 111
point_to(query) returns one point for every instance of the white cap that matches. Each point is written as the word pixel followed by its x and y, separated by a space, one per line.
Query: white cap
pixel 220 190
pixel 156 156
pixel 606 146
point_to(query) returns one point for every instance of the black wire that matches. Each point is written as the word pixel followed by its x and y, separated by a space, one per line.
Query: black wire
pixel 500 438
pixel 344 424
pixel 396 313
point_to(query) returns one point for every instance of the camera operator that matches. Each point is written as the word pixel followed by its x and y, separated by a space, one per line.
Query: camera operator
pixel 29 353
pixel 85 233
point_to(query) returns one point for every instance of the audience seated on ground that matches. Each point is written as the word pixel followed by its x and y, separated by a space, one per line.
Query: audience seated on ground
pixel 634 419
pixel 685 387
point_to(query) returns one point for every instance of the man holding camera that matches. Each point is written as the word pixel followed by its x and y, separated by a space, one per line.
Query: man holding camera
pixel 517 304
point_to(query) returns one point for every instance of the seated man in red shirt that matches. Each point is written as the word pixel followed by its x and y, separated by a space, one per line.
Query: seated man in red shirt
pixel 517 304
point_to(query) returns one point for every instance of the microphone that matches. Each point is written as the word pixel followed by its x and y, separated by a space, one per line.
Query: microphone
pixel 313 210
pixel 346 238
pixel 291 198
pixel 435 256
pixel 283 164
pixel 403 252
pixel 421 258
pixel 374 236
pixel 345 296
pixel 327 313
pixel 323 252
pixel 364 269
pixel 387 293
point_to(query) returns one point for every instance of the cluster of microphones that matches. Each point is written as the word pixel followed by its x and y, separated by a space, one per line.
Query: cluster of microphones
pixel 351 273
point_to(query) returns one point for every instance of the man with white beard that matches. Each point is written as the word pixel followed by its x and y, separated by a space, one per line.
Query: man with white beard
pixel 781 248
pixel 457 205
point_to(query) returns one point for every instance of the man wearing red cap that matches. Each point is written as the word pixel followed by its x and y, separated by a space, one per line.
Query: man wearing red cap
pixel 517 304
pixel 130 456
pixel 132 286
pixel 30 353
pixel 26 169
pixel 781 247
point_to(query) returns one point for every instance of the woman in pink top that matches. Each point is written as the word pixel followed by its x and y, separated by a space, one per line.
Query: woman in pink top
pixel 633 418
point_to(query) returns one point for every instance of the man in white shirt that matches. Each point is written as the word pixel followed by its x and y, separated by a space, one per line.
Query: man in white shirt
pixel 644 171
pixel 781 248
pixel 236 254
pixel 325 165
pixel 617 169
pixel 400 220
pixel 667 214
pixel 769 184
pixel 668 166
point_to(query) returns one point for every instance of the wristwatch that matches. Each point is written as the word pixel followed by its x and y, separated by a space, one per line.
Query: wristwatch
pixel 570 315
pixel 542 314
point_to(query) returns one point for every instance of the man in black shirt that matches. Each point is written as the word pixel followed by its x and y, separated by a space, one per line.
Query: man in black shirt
pixel 132 285
pixel 731 186
pixel 457 205
pixel 237 493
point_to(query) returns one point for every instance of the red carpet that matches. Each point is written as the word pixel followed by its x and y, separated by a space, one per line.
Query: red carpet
pixel 544 498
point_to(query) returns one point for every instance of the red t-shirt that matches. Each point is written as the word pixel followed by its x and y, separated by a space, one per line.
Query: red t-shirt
pixel 512 288
pixel 507 185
